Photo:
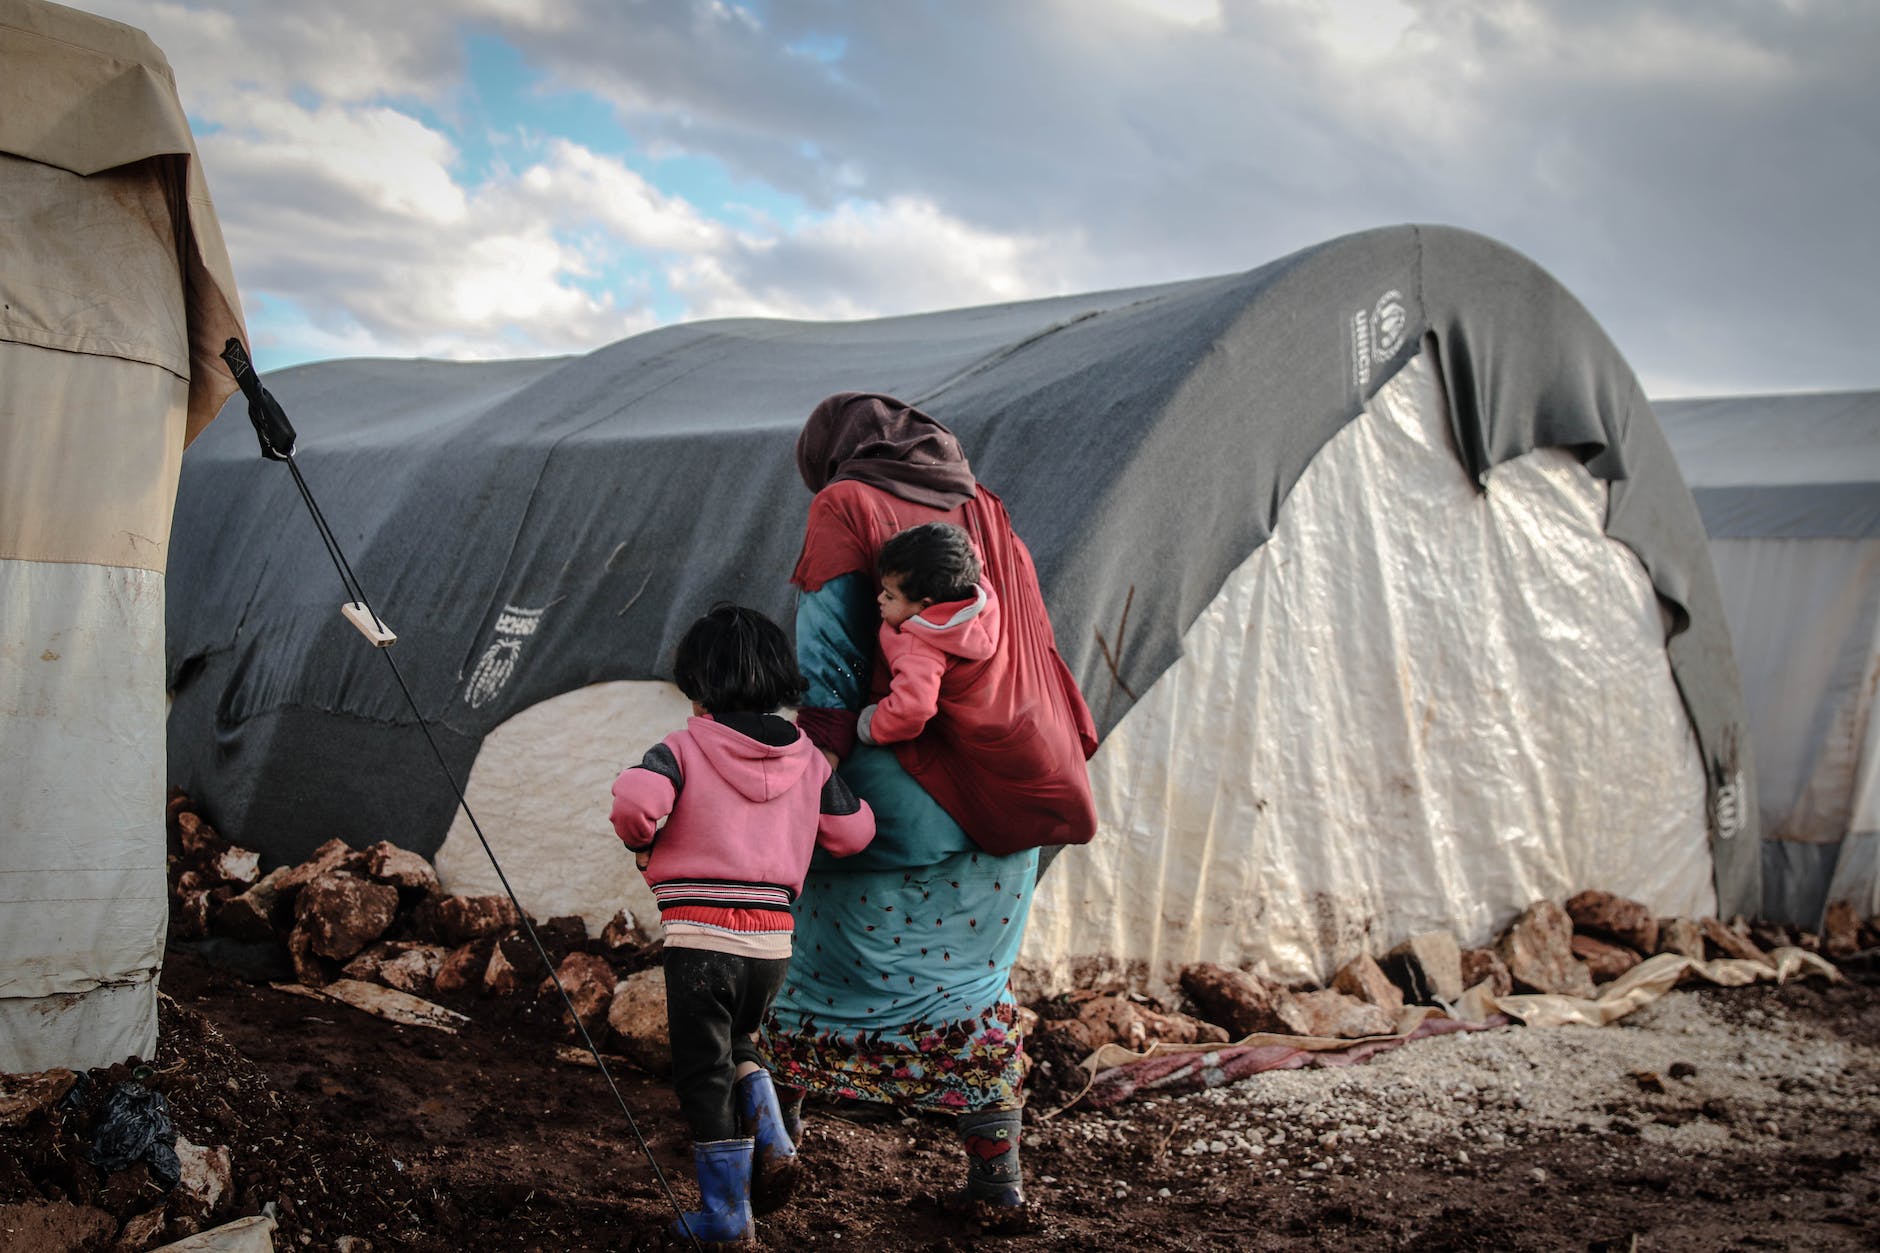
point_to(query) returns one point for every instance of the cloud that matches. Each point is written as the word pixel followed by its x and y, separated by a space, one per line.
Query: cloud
pixel 1699 175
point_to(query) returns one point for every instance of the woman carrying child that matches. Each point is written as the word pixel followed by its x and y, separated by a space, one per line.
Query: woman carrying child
pixel 898 990
pixel 746 798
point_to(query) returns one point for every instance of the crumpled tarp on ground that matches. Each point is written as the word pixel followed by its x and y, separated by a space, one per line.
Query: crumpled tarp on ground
pixel 1118 1073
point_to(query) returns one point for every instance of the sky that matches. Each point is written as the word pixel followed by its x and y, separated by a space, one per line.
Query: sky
pixel 504 178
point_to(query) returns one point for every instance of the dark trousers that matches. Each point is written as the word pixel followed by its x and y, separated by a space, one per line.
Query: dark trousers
pixel 714 1002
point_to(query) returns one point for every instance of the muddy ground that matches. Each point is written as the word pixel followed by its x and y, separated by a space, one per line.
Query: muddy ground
pixel 1717 1118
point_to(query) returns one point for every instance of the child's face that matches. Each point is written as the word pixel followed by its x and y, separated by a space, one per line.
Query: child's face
pixel 896 608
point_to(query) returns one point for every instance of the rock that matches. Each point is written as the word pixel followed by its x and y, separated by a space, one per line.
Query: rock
pixel 22 1096
pixel 330 856
pixel 562 936
pixel 1731 944
pixel 308 968
pixel 1538 950
pixel 207 1176
pixel 1484 965
pixel 189 913
pixel 1427 968
pixel 1232 999
pixel 513 963
pixel 456 920
pixel 463 969
pixel 239 866
pixel 342 913
pixel 622 931
pixel 1681 936
pixel 197 838
pixel 401 964
pixel 1614 918
pixel 637 1016
pixel 589 982
pixel 1870 933
pixel 1102 1020
pixel 1840 931
pixel 401 868
pixel 1363 979
pixel 141 1231
pixel 258 913
pixel 1605 961
pixel 1769 936
pixel 1333 1014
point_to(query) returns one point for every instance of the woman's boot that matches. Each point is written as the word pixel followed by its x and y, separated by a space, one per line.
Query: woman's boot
pixel 775 1166
pixel 724 1187
pixel 995 1193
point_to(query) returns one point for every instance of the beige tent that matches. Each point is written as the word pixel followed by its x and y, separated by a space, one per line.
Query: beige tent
pixel 116 296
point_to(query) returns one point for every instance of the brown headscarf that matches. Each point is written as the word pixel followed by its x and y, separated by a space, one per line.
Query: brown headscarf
pixel 878 440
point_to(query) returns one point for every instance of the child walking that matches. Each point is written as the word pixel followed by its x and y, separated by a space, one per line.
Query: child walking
pixel 746 800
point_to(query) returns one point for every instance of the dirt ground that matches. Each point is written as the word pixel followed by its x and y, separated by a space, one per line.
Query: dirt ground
pixel 1718 1118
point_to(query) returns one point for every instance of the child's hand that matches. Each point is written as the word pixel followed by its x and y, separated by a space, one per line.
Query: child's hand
pixel 642 857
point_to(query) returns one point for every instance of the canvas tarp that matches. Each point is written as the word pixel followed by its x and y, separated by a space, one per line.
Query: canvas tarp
pixel 113 286
pixel 1789 489
pixel 535 527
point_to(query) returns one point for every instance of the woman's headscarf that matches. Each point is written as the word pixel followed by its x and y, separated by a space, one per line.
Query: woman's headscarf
pixel 878 440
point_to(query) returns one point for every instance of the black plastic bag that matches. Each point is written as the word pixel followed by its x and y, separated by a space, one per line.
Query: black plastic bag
pixel 134 1126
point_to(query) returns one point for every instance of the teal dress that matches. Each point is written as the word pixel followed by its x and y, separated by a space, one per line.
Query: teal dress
pixel 897 990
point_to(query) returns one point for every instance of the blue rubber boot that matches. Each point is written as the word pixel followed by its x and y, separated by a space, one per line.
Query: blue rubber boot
pixel 775 1166
pixel 724 1187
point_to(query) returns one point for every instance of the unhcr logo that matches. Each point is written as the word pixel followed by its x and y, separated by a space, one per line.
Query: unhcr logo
pixel 498 663
pixel 1376 335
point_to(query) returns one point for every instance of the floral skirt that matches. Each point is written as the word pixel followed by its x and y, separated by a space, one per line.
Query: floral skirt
pixel 897 990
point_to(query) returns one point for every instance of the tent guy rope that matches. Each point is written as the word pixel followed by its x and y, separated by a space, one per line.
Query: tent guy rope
pixel 277 436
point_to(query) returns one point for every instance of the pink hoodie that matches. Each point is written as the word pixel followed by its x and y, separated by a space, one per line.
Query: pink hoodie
pixel 742 817
pixel 924 656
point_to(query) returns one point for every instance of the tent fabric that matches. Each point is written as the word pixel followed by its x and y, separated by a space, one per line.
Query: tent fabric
pixel 114 284
pixel 1789 488
pixel 534 527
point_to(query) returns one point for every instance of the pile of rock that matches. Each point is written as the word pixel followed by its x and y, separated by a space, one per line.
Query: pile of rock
pixel 379 915
pixel 1570 950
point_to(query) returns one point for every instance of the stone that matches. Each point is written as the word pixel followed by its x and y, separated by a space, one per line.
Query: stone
pixel 197 838
pixel 239 866
pixel 1606 961
pixel 22 1096
pixel 1331 1013
pixel 623 931
pixel 1427 967
pixel 189 913
pixel 1681 936
pixel 1769 936
pixel 1108 1019
pixel 330 856
pixel 342 913
pixel 1484 965
pixel 1233 999
pixel 309 969
pixel 401 964
pixel 1539 953
pixel 511 960
pixel 1614 918
pixel 400 868
pixel 257 914
pixel 1729 943
pixel 637 1017
pixel 1840 931
pixel 589 982
pixel 1870 933
pixel 207 1176
pixel 1363 979
pixel 456 920
pixel 462 970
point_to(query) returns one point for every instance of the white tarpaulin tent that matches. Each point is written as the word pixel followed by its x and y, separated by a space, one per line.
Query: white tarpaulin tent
pixel 115 296
pixel 1789 487
pixel 1372 562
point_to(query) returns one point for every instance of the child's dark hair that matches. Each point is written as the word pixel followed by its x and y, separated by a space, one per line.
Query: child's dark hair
pixel 933 561
pixel 736 661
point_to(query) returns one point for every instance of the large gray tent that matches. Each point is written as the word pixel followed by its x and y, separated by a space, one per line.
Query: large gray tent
pixel 532 528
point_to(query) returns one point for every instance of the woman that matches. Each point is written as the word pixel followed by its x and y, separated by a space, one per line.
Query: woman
pixel 897 992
